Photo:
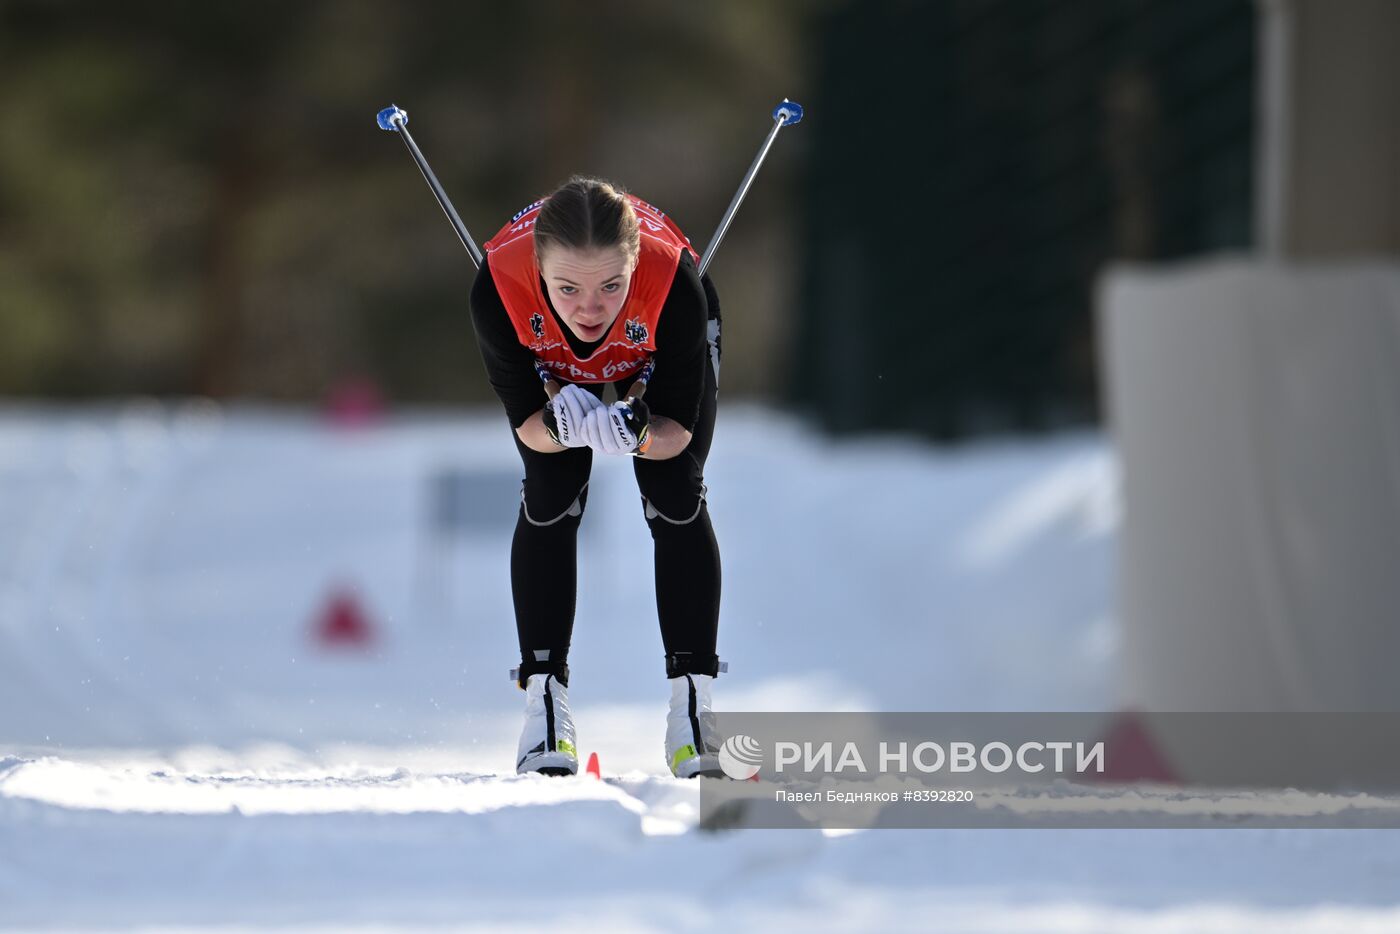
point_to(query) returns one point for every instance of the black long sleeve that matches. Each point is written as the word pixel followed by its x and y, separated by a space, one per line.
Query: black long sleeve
pixel 678 379
pixel 510 367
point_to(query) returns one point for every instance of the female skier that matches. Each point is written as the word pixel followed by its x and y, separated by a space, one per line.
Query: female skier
pixel 585 288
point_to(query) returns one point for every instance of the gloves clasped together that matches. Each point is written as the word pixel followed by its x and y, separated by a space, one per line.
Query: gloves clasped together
pixel 576 418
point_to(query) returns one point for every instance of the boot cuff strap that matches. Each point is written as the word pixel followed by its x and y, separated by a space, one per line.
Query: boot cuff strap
pixel 691 663
pixel 528 667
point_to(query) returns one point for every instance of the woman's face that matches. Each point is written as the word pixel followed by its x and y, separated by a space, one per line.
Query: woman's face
pixel 587 287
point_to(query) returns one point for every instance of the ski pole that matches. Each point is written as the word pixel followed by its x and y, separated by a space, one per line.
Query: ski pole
pixel 785 114
pixel 395 120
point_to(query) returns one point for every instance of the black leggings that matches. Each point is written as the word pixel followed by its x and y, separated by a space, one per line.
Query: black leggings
pixel 554 495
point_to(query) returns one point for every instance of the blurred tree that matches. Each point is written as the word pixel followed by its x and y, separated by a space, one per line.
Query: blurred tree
pixel 979 162
pixel 193 198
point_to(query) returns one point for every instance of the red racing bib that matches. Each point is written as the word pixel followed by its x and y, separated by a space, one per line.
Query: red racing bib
pixel 631 340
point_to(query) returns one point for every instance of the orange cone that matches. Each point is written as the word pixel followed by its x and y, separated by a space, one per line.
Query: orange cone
pixel 593 766
pixel 1137 757
pixel 343 623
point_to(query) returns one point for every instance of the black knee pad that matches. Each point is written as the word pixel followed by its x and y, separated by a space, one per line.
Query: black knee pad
pixel 550 513
pixel 679 511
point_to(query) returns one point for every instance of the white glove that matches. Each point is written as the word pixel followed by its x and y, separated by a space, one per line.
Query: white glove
pixel 609 430
pixel 570 410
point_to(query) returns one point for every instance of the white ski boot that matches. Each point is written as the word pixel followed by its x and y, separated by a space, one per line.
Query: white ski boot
pixel 547 743
pixel 692 739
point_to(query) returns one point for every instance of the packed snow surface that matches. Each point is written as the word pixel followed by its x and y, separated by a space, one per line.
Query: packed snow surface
pixel 179 750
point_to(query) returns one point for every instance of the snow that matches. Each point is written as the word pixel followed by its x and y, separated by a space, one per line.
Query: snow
pixel 178 752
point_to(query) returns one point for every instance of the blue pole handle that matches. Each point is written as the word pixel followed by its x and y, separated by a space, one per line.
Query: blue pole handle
pixel 788 112
pixel 386 119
